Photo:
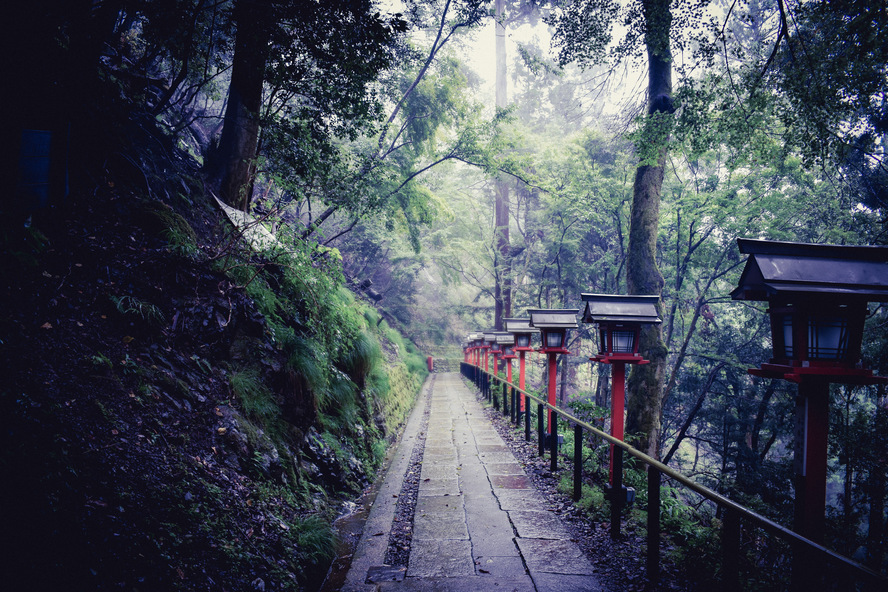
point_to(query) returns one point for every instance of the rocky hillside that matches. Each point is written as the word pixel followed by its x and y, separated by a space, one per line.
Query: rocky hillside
pixel 180 413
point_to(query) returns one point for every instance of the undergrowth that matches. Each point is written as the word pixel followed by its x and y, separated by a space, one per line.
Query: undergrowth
pixel 362 374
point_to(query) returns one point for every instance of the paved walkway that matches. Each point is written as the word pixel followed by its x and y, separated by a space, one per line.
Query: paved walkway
pixel 479 524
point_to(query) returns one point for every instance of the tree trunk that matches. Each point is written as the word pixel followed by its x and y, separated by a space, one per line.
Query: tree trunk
pixel 235 162
pixel 503 288
pixel 763 407
pixel 645 405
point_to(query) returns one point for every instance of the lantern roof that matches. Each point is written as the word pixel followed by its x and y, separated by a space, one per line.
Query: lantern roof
pixel 781 268
pixel 617 308
pixel 504 338
pixel 554 318
pixel 489 336
pixel 519 326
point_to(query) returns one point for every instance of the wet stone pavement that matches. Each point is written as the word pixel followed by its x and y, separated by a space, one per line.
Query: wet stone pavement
pixel 478 524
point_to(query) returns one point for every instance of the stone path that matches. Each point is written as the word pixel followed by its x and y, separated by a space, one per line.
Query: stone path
pixel 479 524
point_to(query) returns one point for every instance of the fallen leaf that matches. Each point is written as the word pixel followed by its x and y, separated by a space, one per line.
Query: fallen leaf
pixel 46 326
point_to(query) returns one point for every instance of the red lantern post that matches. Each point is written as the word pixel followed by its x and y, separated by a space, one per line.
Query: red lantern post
pixel 817 296
pixel 554 325
pixel 619 320
pixel 523 333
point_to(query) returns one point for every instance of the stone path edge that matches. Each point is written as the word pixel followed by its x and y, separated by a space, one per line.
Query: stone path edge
pixel 371 547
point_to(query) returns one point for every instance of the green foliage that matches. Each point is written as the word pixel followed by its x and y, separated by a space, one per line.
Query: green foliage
pixel 135 306
pixel 178 233
pixel 652 137
pixel 583 30
pixel 587 410
pixel 101 361
pixel 256 400
pixel 592 498
pixel 315 540
pixel 697 544
pixel 24 245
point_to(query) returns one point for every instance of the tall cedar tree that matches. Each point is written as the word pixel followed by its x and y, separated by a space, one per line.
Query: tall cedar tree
pixel 645 385
pixel 583 34
pixel 503 254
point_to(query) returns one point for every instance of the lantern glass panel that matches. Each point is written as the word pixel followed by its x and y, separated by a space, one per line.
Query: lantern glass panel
pixel 495 347
pixel 554 338
pixel 508 351
pixel 787 336
pixel 623 341
pixel 828 338
pixel 523 340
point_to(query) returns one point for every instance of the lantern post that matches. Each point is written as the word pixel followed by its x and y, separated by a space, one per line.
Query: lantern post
pixel 477 341
pixel 506 342
pixel 497 350
pixel 523 334
pixel 817 302
pixel 553 325
pixel 619 319
pixel 487 342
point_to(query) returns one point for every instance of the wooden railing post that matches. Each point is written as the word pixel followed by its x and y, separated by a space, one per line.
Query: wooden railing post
pixel 578 462
pixel 541 429
pixel 526 419
pixel 653 525
pixel 505 399
pixel 553 441
pixel 731 552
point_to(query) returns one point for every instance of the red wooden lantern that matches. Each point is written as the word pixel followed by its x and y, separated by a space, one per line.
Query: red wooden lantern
pixel 817 296
pixel 554 325
pixel 619 320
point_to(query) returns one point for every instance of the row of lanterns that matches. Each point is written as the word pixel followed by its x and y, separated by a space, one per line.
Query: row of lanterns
pixel 619 320
pixel 817 296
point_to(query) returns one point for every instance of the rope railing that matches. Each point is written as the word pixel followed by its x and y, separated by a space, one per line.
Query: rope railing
pixel 808 556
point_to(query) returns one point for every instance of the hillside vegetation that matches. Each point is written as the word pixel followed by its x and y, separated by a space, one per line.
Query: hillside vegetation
pixel 181 412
